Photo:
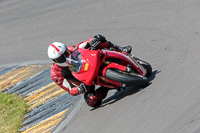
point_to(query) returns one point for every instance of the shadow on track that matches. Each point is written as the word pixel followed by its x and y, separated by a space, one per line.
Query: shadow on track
pixel 125 92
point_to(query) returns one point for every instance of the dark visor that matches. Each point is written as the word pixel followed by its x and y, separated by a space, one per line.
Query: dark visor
pixel 62 58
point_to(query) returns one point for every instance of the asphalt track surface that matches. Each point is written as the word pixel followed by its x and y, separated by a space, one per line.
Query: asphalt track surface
pixel 164 33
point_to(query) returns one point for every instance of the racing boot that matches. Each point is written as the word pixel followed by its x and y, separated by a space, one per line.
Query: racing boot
pixel 126 49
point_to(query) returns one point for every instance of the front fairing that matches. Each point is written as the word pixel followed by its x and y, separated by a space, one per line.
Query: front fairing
pixel 127 58
pixel 83 64
pixel 74 61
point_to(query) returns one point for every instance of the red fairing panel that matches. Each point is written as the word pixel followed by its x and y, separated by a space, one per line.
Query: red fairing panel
pixel 88 76
pixel 118 55
pixel 113 65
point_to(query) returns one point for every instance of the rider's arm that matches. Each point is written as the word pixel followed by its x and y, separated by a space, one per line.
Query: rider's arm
pixel 64 83
pixel 103 43
pixel 84 44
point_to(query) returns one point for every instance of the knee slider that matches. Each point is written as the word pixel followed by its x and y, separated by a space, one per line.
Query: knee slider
pixel 90 99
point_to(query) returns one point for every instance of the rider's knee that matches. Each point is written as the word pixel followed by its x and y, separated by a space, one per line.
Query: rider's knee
pixel 90 99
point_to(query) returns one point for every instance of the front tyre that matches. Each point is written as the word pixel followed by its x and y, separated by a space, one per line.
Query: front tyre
pixel 132 79
pixel 146 66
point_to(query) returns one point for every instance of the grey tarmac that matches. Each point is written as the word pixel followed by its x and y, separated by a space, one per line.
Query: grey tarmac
pixel 166 33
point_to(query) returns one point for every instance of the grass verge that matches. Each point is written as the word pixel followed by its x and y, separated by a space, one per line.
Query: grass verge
pixel 12 110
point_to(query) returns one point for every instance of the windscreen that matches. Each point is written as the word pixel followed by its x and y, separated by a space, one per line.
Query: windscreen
pixel 74 61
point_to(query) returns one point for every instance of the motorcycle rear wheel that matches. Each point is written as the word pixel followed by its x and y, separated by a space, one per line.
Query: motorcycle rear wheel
pixel 132 79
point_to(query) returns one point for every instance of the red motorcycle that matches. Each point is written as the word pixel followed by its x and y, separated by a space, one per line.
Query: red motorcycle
pixel 108 68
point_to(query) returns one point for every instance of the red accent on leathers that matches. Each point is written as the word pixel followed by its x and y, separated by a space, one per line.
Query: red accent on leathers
pixel 60 74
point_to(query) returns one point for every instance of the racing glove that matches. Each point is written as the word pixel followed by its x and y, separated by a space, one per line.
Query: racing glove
pixel 101 38
pixel 82 88
pixel 96 40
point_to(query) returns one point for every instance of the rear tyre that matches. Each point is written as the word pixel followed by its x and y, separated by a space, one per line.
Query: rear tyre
pixel 132 79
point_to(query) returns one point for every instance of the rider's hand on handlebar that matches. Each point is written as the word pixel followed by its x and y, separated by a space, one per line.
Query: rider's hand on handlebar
pixel 96 40
pixel 100 38
pixel 82 88
pixel 94 43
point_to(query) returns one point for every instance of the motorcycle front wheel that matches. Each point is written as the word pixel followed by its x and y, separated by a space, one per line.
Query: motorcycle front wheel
pixel 146 66
pixel 127 78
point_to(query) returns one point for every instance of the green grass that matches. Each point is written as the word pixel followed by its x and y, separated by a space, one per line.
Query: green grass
pixel 12 110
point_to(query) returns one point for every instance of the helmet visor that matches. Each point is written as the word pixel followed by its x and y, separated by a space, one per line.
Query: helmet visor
pixel 62 58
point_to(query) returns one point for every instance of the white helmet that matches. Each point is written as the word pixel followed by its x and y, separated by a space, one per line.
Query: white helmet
pixel 58 53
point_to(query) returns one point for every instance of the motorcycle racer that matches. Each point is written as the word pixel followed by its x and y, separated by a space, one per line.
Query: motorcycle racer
pixel 62 76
